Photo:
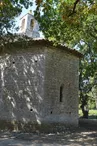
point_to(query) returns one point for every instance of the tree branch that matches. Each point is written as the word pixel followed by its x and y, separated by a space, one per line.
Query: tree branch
pixel 75 3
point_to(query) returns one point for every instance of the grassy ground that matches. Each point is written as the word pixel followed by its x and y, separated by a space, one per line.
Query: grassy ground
pixel 92 113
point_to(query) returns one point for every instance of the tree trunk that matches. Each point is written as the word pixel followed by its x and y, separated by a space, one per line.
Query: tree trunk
pixel 96 102
pixel 85 111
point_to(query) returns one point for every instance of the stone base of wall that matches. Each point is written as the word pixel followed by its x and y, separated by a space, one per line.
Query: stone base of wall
pixel 34 127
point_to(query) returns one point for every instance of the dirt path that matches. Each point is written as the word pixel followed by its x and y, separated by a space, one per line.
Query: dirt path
pixel 75 137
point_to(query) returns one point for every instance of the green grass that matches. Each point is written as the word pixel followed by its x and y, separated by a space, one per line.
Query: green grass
pixel 92 113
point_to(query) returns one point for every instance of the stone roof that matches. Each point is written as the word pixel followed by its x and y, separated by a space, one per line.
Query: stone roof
pixel 25 15
pixel 41 42
pixel 50 43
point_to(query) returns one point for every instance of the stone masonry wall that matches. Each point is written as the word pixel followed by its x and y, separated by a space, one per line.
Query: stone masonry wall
pixel 22 86
pixel 30 84
pixel 61 72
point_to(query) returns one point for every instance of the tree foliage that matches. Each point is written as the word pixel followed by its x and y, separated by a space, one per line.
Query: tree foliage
pixel 60 20
pixel 9 9
pixel 88 74
pixel 67 20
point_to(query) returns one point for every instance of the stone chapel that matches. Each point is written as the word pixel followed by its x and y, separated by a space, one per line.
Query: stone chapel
pixel 39 82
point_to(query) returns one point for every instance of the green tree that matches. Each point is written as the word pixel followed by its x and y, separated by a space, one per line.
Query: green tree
pixel 67 20
pixel 88 74
pixel 94 92
pixel 9 9
pixel 60 20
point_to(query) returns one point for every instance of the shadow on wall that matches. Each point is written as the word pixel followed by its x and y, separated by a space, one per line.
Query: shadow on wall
pixel 21 90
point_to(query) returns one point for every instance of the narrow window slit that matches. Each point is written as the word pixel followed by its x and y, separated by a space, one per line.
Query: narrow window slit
pixel 61 93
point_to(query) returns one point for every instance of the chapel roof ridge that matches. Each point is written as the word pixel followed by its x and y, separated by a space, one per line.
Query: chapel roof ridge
pixel 63 47
pixel 26 14
pixel 42 41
